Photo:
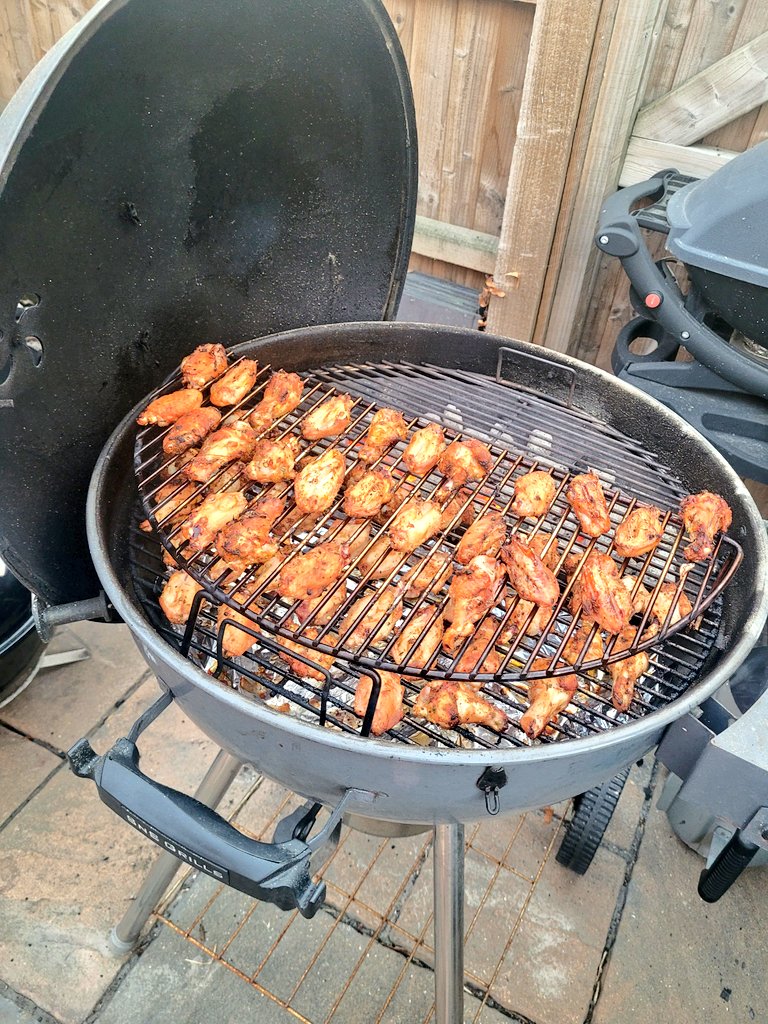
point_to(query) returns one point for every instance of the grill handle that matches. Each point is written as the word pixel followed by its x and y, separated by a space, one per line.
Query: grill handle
pixel 276 872
pixel 716 880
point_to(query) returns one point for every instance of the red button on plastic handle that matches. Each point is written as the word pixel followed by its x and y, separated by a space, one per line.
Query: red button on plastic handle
pixel 652 300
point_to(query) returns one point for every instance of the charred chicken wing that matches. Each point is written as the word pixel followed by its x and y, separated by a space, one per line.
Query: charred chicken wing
pixel 585 495
pixel 547 697
pixel 427 618
pixel 366 495
pixel 329 419
pixel 235 384
pixel 625 673
pixel 484 537
pixel 533 494
pixel 318 483
pixel 389 703
pixel 273 461
pixel 600 594
pixel 471 595
pixel 167 409
pixel 177 597
pixel 424 449
pixel 211 516
pixel 452 704
pixel 529 576
pixel 246 541
pixel 639 532
pixel 229 444
pixel 202 365
pixel 387 427
pixel 281 396
pixel 414 524
pixel 704 516
pixel 188 431
pixel 465 461
pixel 309 575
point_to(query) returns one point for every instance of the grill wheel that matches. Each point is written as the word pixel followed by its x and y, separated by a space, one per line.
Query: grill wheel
pixel 592 813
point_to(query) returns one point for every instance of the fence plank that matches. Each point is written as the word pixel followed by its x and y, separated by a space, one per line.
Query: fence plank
pixel 463 247
pixel 646 156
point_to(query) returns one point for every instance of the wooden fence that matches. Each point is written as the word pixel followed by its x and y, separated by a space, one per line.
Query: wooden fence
pixel 528 115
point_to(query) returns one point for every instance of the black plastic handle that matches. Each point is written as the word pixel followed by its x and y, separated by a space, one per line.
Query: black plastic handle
pixel 277 873
pixel 619 235
pixel 717 879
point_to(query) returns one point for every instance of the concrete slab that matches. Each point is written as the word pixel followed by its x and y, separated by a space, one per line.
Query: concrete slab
pixel 677 958
pixel 23 766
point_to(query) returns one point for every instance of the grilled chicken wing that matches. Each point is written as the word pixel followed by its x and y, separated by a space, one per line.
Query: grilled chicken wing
pixel 329 419
pixel 431 574
pixel 234 442
pixel 211 516
pixel 175 502
pixel 547 698
pixel 246 541
pixel 414 524
pixel 318 483
pixel 424 449
pixel 518 621
pixel 166 409
pixel 639 532
pixel 387 427
pixel 273 461
pixel 585 495
pixel 281 395
pixel 235 642
pixel 235 384
pixel 365 496
pixel 664 601
pixel 538 542
pixel 389 703
pixel 381 560
pixel 484 537
pixel 470 660
pixel 268 572
pixel 309 575
pixel 472 593
pixel 465 461
pixel 641 595
pixel 295 664
pixel 533 494
pixel 190 429
pixel 625 673
pixel 409 633
pixel 529 576
pixel 458 506
pixel 323 608
pixel 367 631
pixel 579 643
pixel 704 516
pixel 177 597
pixel 202 365
pixel 452 704
pixel 600 594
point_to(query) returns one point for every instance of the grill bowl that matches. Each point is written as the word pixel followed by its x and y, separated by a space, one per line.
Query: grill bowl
pixel 424 785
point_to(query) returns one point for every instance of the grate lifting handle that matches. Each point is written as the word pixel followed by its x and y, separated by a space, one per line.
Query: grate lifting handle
pixel 277 872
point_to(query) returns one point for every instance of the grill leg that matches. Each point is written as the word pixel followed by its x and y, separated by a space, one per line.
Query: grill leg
pixel 449 923
pixel 125 934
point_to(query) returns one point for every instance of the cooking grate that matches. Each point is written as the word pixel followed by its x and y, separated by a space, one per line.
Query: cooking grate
pixel 552 436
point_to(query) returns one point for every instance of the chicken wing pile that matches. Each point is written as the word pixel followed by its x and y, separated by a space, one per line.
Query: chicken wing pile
pixel 379 539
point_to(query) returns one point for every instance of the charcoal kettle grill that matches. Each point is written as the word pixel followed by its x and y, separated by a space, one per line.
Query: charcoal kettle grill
pixel 243 183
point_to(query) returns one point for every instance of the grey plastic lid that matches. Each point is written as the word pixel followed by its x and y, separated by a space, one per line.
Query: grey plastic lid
pixel 174 173
pixel 721 222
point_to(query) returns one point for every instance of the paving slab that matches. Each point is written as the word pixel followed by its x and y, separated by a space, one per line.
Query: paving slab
pixel 69 867
pixel 24 765
pixel 677 958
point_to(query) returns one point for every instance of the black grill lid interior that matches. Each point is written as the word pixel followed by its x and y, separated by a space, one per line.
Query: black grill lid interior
pixel 720 223
pixel 174 174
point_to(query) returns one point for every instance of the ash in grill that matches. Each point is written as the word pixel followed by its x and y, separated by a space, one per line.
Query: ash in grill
pixel 313 669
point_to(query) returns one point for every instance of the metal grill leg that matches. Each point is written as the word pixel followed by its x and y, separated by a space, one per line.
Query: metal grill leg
pixel 449 923
pixel 211 790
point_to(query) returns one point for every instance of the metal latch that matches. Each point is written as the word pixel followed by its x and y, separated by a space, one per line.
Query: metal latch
pixel 490 782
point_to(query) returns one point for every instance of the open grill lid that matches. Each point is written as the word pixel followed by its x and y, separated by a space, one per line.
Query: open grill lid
pixel 172 175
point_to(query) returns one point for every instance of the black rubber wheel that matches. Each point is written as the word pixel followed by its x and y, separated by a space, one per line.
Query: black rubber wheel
pixel 592 813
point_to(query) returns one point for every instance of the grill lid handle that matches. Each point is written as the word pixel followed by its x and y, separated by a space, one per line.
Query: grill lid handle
pixel 276 872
